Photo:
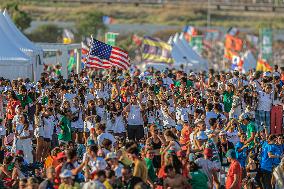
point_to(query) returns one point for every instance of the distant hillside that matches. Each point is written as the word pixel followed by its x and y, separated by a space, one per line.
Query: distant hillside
pixel 195 14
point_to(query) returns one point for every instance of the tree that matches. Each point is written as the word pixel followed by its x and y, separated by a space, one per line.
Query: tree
pixel 21 18
pixel 90 24
pixel 49 33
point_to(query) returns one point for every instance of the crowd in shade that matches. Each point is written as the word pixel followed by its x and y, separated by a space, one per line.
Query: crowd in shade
pixel 129 129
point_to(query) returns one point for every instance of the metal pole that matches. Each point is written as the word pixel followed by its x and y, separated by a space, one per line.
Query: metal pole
pixel 208 14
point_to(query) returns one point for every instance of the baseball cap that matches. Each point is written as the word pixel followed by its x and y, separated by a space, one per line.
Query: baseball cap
pixel 20 152
pixel 231 154
pixel 90 143
pixel 208 152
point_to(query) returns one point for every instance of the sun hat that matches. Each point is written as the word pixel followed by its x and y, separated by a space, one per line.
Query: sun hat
pixel 66 174
pixel 111 155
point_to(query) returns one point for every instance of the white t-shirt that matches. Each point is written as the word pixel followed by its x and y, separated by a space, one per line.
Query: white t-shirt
pixel 182 113
pixel 209 115
pixel 134 116
pixel 167 120
pixel 265 101
pixel 79 123
pixel 68 97
pixel 48 126
pixel 2 131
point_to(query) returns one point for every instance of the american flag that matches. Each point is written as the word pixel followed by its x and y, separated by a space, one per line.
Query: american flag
pixel 105 56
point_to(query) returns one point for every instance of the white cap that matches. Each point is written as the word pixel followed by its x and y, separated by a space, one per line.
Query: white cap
pixel 266 74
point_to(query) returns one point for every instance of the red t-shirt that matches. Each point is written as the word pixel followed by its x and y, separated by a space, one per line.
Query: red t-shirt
pixel 11 106
pixel 235 168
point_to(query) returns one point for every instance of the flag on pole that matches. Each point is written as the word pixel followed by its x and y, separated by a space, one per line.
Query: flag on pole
pixel 263 65
pixel 233 43
pixel 68 36
pixel 110 38
pixel 104 56
pixel 156 50
pixel 189 31
pixel 84 52
pixel 108 20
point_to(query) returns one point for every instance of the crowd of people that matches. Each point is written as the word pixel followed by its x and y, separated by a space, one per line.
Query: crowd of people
pixel 129 129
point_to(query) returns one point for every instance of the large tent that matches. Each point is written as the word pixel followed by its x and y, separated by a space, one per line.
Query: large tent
pixel 22 42
pixel 182 53
pixel 13 62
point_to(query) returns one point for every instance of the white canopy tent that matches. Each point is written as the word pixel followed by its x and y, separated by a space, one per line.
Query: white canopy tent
pixel 182 53
pixel 23 43
pixel 13 62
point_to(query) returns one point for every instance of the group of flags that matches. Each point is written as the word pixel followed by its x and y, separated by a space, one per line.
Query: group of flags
pixel 104 55
pixel 234 45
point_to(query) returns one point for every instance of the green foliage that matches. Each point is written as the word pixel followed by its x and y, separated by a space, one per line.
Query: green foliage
pixel 47 33
pixel 21 18
pixel 125 42
pixel 90 24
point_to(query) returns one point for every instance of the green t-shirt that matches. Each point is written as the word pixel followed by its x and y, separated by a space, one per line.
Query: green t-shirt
pixel 44 100
pixel 156 89
pixel 251 129
pixel 65 126
pixel 151 171
pixel 189 83
pixel 24 101
pixel 198 180
pixel 228 100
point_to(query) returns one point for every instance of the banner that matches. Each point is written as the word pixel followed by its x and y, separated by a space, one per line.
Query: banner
pixel 110 38
pixel 1 107
pixel 266 43
pixel 155 50
pixel 196 43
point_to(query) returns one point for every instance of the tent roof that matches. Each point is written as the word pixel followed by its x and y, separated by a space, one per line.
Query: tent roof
pixel 182 53
pixel 20 39
pixel 9 51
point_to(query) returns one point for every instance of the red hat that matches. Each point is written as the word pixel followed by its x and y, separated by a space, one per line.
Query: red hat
pixel 60 155
pixel 208 152
pixel 20 152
